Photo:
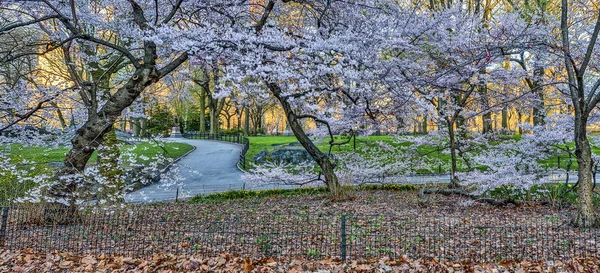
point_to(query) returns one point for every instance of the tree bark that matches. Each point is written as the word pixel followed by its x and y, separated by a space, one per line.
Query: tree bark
pixel 487 123
pixel 60 116
pixel 539 111
pixel 108 161
pixel 586 215
pixel 246 121
pixel 505 118
pixel 202 128
pixel 214 120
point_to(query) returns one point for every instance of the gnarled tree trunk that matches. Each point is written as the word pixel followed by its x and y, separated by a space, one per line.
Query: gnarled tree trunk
pixel 586 215
pixel 327 167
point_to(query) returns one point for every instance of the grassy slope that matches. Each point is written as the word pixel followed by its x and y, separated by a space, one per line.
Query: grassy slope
pixel 57 154
pixel 43 155
pixel 260 143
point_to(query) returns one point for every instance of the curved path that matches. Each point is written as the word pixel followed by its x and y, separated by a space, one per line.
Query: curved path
pixel 211 167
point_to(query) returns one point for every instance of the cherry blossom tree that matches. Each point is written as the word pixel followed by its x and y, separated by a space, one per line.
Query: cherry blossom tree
pixel 446 57
pixel 314 64
pixel 579 29
pixel 119 31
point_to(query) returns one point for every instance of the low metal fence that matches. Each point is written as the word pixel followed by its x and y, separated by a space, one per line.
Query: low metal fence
pixel 242 161
pixel 234 138
pixel 145 232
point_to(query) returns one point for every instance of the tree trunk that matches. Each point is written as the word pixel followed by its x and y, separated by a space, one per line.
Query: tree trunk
pixel 327 167
pixel 136 126
pixel 202 128
pixel 519 121
pixel 144 127
pixel 586 216
pixel 214 120
pixel 487 117
pixel 453 168
pixel 539 112
pixel 108 162
pixel 505 118
pixel 461 127
pixel 246 121
pixel 60 116
pixel 487 123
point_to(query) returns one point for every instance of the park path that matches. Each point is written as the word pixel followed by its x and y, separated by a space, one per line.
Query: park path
pixel 211 167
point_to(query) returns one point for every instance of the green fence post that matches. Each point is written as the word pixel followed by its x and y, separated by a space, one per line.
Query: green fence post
pixel 3 226
pixel 343 244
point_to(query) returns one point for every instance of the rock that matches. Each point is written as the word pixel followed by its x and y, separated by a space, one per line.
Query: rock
pixel 287 155
pixel 291 155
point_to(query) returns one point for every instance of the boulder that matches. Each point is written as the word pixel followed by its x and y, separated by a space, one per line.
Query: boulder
pixel 292 153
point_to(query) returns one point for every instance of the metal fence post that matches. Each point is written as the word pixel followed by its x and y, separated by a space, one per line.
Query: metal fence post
pixel 3 226
pixel 343 241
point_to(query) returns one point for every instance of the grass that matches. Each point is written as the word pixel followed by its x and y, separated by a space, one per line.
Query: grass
pixel 306 191
pixel 143 151
pixel 245 194
pixel 270 143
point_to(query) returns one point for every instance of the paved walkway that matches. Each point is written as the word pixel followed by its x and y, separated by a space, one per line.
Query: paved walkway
pixel 212 167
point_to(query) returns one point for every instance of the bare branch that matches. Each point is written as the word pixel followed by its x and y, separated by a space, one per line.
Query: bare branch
pixel 35 21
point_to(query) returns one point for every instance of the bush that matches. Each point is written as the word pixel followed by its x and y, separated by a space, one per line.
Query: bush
pixel 232 132
pixel 389 187
pixel 161 120
pixel 554 193
pixel 245 194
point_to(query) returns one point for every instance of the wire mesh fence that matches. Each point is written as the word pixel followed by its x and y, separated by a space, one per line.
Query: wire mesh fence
pixel 144 232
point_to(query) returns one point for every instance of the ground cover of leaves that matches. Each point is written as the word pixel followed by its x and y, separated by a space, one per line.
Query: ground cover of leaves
pixel 27 261
pixel 239 227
